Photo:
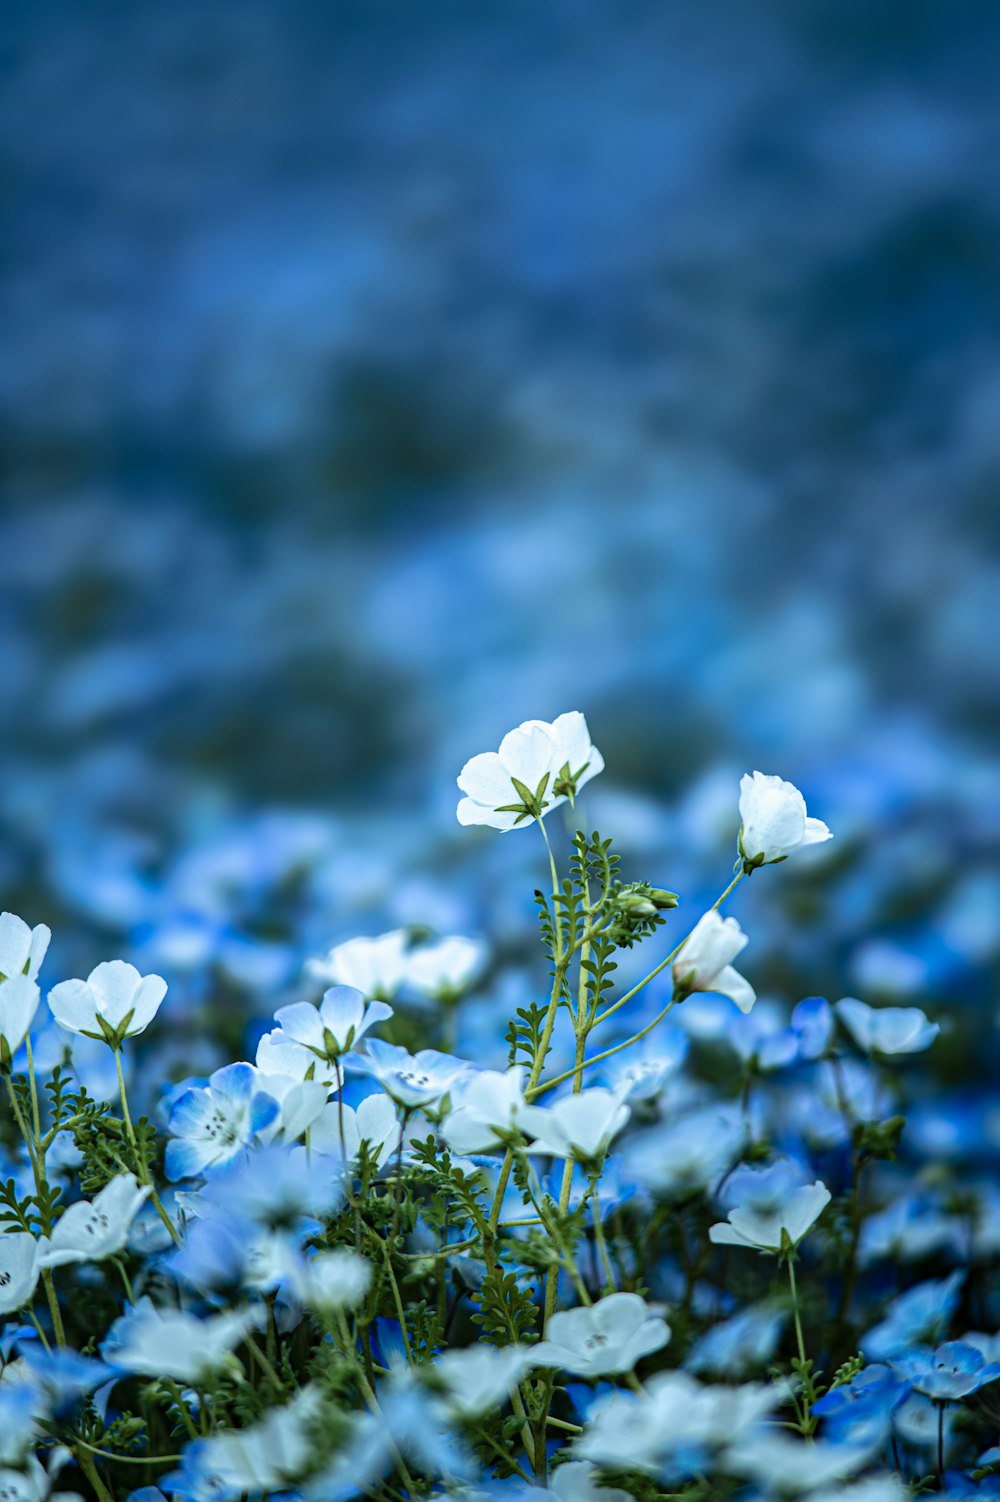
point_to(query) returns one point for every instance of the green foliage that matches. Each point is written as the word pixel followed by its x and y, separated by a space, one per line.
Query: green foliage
pixel 504 1309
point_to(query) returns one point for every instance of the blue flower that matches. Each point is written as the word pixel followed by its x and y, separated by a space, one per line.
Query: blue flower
pixel 917 1315
pixel 953 1371
pixel 211 1125
pixel 860 1411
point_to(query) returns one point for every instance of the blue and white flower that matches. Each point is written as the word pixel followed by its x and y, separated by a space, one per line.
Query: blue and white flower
pixel 210 1125
pixel 114 1002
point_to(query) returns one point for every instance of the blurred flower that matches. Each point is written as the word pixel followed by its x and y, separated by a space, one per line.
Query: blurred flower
pixel 886 1030
pixel 339 1131
pixel 703 963
pixel 447 968
pixel 375 967
pixel 919 1314
pixel 609 1336
pixel 731 1348
pixel 774 820
pixel 330 1281
pixel 155 1342
pixel 113 1003
pixel 479 1377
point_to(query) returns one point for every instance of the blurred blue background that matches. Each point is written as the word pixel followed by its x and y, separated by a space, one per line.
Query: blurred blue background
pixel 376 376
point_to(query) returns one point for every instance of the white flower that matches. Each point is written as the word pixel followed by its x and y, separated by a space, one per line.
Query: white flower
pixel 886 1030
pixel 113 1003
pixel 94 1229
pixel 282 1063
pixel 19 1269
pixel 578 1481
pixel 335 1026
pixel 479 1377
pixel 487 1110
pixel 18 1004
pixel 775 822
pixel 784 1465
pixel 32 1483
pixel 538 766
pixel 673 1413
pixel 773 1229
pixel 610 1336
pixel 446 969
pixel 155 1342
pixel 331 1280
pixel 703 963
pixel 578 1126
pixel 268 1457
pixel 411 1079
pixel 375 967
pixel 339 1131
pixel 22 949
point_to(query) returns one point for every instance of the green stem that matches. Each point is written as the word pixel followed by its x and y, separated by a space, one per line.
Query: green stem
pixel 140 1159
pixel 532 1092
pixel 53 1303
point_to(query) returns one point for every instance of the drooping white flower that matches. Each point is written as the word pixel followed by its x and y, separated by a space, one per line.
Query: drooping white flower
pixel 331 1280
pixel 775 1228
pixel 338 1130
pixel 411 1079
pixel 155 1342
pixel 335 1026
pixel 22 949
pixel 704 961
pixel 538 766
pixel 211 1124
pixel 774 820
pixel 486 1110
pixel 886 1030
pixel 446 969
pixel 19 998
pixel 376 967
pixel 578 1126
pixel 113 1003
pixel 610 1336
pixel 91 1230
pixel 19 1269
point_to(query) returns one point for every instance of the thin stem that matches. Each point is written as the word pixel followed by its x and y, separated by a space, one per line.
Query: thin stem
pixel 795 1310
pixel 127 1459
pixel 53 1303
pixel 33 1089
pixel 140 1158
pixel 533 1092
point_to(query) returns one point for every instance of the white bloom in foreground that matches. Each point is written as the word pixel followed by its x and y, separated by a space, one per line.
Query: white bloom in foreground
pixel 19 998
pixel 486 1112
pixel 578 1126
pixel 411 1079
pixel 773 1229
pixel 578 1481
pixel 94 1229
pixel 789 1465
pixel 113 1003
pixel 339 1131
pixel 155 1342
pixel 886 1030
pixel 610 1336
pixel 375 967
pixel 446 969
pixel 704 962
pixel 32 1483
pixel 331 1281
pixel 269 1457
pixel 538 766
pixel 19 1269
pixel 478 1377
pixel 22 949
pixel 335 1026
pixel 774 820
pixel 673 1413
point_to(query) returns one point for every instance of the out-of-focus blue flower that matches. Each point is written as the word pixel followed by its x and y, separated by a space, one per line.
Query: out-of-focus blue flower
pixel 916 1315
pixel 812 1021
pixel 738 1346
pixel 860 1411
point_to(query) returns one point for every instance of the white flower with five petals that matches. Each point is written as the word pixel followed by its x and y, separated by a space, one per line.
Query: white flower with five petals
pixel 22 949
pixel 538 766
pixel 113 1003
pixel 776 1228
